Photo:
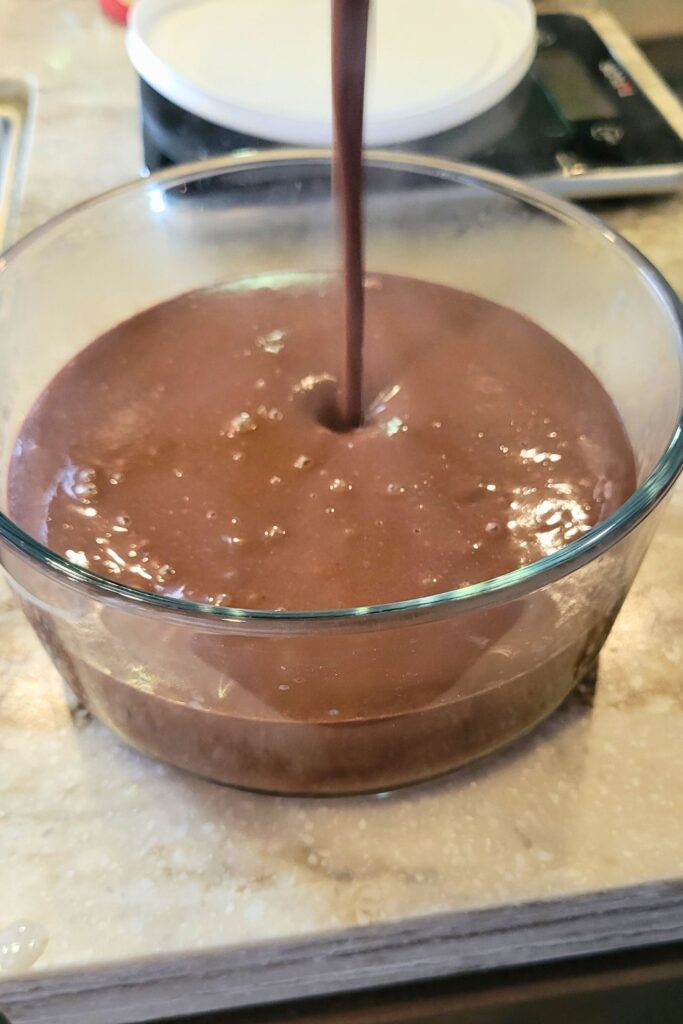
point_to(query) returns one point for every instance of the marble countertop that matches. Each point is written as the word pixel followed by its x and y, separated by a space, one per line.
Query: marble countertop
pixel 109 859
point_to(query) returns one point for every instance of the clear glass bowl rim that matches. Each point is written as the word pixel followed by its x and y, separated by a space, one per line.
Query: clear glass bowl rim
pixel 510 586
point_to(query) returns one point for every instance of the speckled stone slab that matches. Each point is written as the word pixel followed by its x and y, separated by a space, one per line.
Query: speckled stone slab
pixel 129 890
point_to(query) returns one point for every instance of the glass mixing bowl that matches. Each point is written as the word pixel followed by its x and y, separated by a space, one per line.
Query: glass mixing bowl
pixel 201 686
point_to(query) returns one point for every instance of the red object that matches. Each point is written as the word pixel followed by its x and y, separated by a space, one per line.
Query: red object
pixel 117 9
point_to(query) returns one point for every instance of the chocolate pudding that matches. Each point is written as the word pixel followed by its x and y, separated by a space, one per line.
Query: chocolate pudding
pixel 192 452
pixel 187 452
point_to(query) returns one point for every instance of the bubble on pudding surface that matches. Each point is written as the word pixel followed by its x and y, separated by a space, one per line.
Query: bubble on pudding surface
pixel 273 342
pixel 78 558
pixel 243 423
pixel 232 540
pixel 311 381
pixel 80 483
pixel 272 413
pixel 274 531
pixel 539 456
pixel 380 403
pixel 395 426
pixel 302 462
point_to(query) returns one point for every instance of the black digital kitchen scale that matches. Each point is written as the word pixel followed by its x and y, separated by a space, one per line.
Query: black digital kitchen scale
pixel 592 118
pixel 583 123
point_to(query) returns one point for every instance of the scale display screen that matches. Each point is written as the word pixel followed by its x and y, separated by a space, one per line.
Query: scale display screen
pixel 569 83
pixel 578 121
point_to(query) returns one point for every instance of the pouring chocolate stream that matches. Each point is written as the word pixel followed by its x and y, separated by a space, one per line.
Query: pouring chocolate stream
pixel 349 49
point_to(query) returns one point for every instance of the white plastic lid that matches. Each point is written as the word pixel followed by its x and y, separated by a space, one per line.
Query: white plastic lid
pixel 262 67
